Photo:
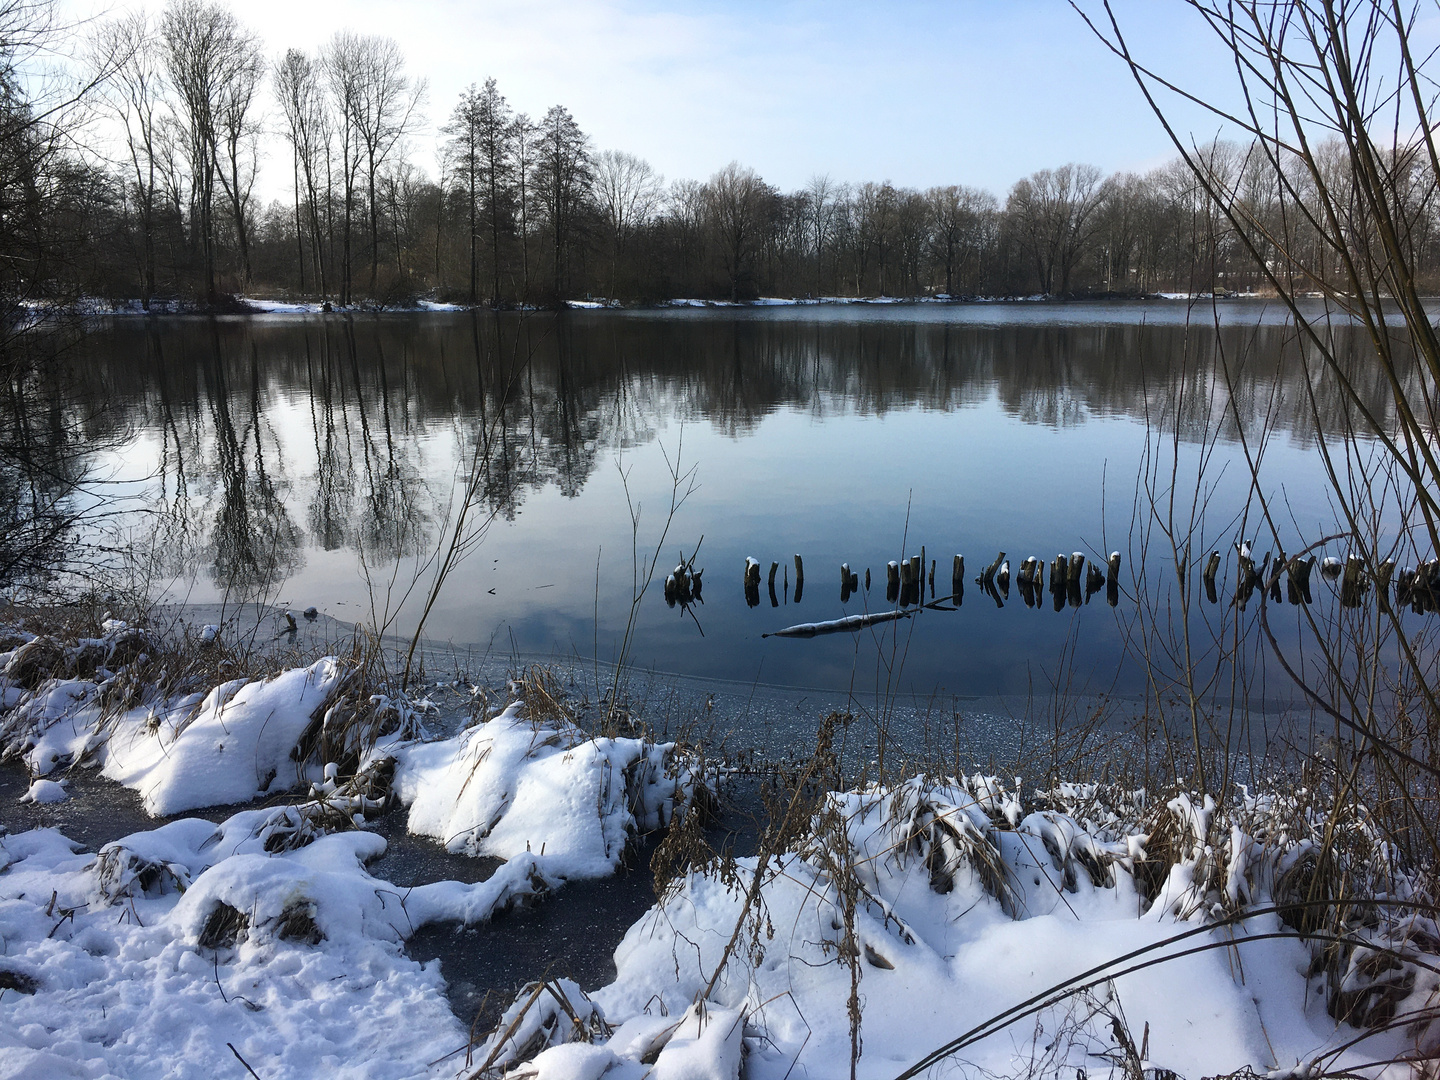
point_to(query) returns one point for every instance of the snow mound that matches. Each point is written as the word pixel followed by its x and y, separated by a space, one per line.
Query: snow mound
pixel 45 791
pixel 511 786
pixel 238 745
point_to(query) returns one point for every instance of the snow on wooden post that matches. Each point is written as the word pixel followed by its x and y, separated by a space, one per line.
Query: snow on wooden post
pixel 752 581
pixel 892 581
pixel 1112 569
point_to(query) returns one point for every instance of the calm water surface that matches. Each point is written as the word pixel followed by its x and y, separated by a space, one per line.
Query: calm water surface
pixel 321 460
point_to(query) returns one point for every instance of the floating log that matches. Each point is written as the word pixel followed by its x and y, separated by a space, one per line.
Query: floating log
pixel 850 623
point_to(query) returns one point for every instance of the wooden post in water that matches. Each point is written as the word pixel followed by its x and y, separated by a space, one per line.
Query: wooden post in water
pixel 844 582
pixel 987 576
pixel 892 581
pixel 1073 577
pixel 867 579
pixel 799 578
pixel 752 581
pixel 920 576
pixel 1094 581
pixel 1354 584
pixel 1112 569
pixel 1212 567
pixel 932 579
pixel 957 578
pixel 1382 583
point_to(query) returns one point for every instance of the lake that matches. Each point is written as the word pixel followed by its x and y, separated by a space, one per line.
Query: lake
pixel 322 460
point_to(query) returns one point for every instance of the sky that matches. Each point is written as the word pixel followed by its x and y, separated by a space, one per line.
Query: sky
pixel 918 92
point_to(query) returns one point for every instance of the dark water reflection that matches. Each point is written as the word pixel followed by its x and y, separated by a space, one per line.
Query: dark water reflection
pixel 321 460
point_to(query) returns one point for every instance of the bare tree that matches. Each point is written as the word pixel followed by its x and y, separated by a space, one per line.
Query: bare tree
pixel 384 107
pixel 1054 214
pixel 957 225
pixel 343 62
pixel 297 87
pixel 214 65
pixel 563 176
pixel 628 192
pixel 820 197
pixel 525 136
pixel 738 205
pixel 134 93
pixel 480 154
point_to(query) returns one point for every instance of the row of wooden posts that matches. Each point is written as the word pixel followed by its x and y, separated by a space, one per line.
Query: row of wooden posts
pixel 1073 581
pixel 911 582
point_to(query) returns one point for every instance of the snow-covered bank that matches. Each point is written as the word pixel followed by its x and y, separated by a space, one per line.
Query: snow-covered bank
pixel 1166 934
pixel 928 909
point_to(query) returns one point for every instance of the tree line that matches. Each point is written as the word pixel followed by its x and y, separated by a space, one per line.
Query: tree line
pixel 525 210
